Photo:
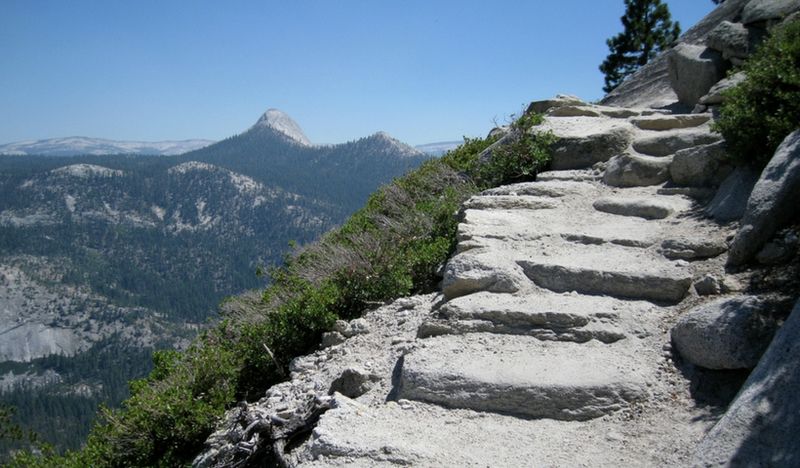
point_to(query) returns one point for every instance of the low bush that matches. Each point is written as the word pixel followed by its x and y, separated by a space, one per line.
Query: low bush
pixel 758 113
pixel 523 155
pixel 394 246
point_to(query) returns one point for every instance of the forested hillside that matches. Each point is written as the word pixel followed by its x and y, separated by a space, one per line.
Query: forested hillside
pixel 105 258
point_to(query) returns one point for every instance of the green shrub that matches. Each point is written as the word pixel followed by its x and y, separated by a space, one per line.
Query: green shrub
pixel 392 247
pixel 525 155
pixel 758 113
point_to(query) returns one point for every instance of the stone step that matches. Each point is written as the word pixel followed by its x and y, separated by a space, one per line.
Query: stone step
pixel 634 170
pixel 642 207
pixel 609 270
pixel 509 202
pixel 669 141
pixel 412 433
pixel 523 376
pixel 546 316
pixel 577 175
pixel 584 141
pixel 484 228
pixel 670 122
pixel 554 189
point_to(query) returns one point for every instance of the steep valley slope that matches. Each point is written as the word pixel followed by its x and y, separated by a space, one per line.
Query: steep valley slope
pixel 107 256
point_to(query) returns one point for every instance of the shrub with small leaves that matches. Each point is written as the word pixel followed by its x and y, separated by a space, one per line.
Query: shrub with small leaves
pixel 521 157
pixel 758 113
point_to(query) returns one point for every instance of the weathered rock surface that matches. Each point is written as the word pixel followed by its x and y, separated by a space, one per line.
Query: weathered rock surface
pixel 550 317
pixel 632 170
pixel 586 274
pixel 688 248
pixel 670 122
pixel 584 141
pixel 708 285
pixel 780 249
pixel 700 166
pixel 649 86
pixel 574 111
pixel 522 376
pixel 730 201
pixel 647 208
pixel 668 142
pixel 768 10
pixel 732 40
pixel 561 100
pixel 760 427
pixel 725 334
pixel 772 203
pixel 715 94
pixel 693 70
pixel 353 382
pixel 479 270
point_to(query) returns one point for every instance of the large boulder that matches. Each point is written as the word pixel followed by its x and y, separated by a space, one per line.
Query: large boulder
pixel 631 170
pixel 561 100
pixel 477 270
pixel 728 333
pixel 760 427
pixel 757 11
pixel 773 203
pixel 649 85
pixel 693 70
pixel 730 200
pixel 700 166
pixel 732 40
pixel 584 141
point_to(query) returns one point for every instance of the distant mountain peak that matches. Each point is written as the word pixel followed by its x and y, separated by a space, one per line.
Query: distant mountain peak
pixel 391 145
pixel 280 121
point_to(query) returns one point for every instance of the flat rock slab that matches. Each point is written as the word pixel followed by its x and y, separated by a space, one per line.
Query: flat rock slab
pixel 574 111
pixel 585 226
pixel 609 270
pixel 670 122
pixel 418 434
pixel 577 175
pixel 523 376
pixel 584 141
pixel 546 316
pixel 669 141
pixel 507 202
pixel 641 207
pixel 554 189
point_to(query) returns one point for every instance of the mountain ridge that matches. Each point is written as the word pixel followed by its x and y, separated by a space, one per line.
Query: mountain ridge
pixel 80 145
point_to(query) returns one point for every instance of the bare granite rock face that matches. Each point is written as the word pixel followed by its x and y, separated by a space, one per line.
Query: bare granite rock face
pixel 725 334
pixel 773 202
pixel 649 86
pixel 730 200
pixel 761 425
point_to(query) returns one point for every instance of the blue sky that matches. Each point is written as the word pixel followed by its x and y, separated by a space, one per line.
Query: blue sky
pixel 422 70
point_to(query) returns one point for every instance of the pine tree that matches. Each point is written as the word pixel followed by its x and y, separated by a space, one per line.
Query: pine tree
pixel 648 30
